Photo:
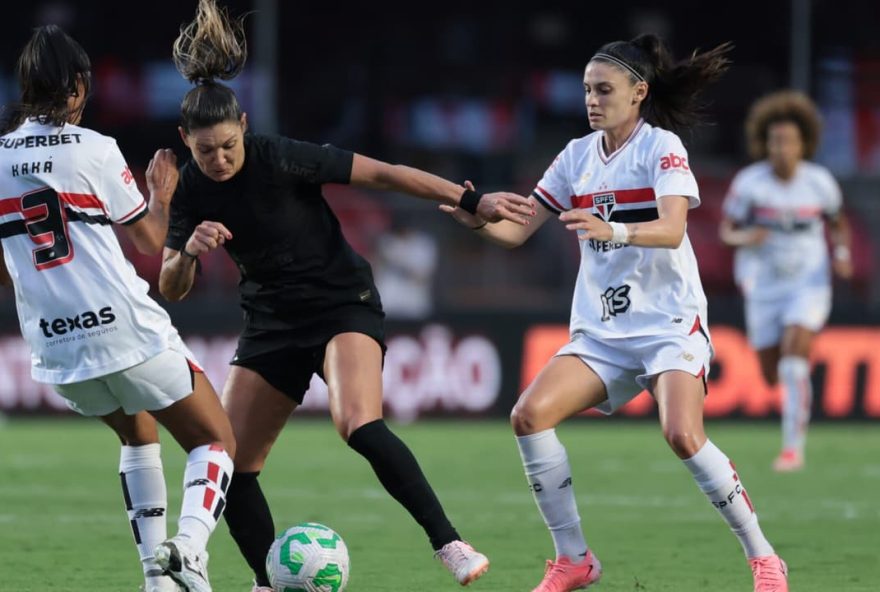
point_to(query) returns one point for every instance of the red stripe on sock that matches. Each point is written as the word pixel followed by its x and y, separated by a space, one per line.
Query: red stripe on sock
pixel 213 472
pixel 208 502
pixel 748 501
pixel 216 448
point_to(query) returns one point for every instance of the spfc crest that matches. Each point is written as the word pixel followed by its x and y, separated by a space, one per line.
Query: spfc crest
pixel 604 205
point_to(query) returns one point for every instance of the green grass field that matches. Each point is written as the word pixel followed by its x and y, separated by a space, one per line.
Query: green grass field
pixel 63 528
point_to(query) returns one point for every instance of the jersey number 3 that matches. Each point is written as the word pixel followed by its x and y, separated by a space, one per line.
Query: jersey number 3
pixel 46 224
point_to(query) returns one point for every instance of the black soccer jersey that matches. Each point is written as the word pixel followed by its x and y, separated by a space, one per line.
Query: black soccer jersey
pixel 295 264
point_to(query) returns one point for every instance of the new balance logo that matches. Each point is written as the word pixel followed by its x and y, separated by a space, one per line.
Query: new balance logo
pixel 566 483
pixel 195 482
pixel 150 513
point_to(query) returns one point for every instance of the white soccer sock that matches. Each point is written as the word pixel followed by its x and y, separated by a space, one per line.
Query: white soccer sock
pixel 549 475
pixel 716 477
pixel 146 501
pixel 205 481
pixel 794 373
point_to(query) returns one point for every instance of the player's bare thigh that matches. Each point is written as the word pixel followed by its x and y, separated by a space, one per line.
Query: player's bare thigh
pixel 258 412
pixel 564 387
pixel 680 398
pixel 353 372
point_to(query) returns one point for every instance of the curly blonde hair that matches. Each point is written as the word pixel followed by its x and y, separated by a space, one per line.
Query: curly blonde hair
pixel 783 106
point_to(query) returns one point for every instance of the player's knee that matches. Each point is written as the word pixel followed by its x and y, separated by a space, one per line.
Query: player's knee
pixel 524 420
pixel 349 424
pixel 684 442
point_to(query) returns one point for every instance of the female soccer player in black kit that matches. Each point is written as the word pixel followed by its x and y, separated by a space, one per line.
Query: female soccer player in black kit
pixel 309 300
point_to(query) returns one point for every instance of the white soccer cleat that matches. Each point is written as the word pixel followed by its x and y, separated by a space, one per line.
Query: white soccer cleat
pixel 261 588
pixel 186 567
pixel 466 564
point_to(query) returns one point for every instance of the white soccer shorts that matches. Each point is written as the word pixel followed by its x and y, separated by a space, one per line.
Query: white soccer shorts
pixel 767 319
pixel 627 365
pixel 152 385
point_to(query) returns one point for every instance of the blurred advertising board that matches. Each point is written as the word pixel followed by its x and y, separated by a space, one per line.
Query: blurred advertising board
pixel 476 366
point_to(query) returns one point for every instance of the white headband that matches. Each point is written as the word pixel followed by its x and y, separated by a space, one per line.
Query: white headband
pixel 621 63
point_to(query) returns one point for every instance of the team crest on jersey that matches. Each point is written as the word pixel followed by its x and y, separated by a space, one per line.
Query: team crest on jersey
pixel 604 205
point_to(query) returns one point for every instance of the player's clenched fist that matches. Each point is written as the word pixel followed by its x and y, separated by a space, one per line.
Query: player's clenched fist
pixel 206 237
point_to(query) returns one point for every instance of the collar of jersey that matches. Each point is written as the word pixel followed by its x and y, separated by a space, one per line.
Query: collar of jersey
pixel 606 159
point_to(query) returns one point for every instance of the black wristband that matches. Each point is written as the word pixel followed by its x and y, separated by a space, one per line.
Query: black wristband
pixel 186 253
pixel 469 201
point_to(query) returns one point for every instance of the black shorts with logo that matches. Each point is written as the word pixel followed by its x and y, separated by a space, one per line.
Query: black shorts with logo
pixel 287 358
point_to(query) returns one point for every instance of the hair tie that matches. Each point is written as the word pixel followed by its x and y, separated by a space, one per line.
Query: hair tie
pixel 619 62
pixel 200 81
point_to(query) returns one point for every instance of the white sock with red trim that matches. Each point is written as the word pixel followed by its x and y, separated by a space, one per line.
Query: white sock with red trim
pixel 716 477
pixel 549 474
pixel 205 481
pixel 146 502
pixel 797 401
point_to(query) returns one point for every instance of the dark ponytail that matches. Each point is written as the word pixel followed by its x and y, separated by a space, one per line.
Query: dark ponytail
pixel 674 86
pixel 49 69
pixel 211 47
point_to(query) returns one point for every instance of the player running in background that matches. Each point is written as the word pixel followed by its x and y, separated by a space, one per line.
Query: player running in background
pixel 638 318
pixel 309 300
pixel 94 333
pixel 774 215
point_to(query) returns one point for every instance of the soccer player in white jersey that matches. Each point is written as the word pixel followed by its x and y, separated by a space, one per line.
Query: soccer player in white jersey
pixel 94 333
pixel 774 215
pixel 638 318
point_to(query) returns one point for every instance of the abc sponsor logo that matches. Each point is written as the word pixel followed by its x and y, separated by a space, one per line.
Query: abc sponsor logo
pixel 674 161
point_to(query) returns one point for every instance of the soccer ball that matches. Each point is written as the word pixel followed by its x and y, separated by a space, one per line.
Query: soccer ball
pixel 308 557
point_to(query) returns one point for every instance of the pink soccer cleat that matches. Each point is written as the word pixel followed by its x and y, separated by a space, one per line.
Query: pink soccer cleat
pixel 563 575
pixel 789 460
pixel 771 573
pixel 466 564
pixel 261 588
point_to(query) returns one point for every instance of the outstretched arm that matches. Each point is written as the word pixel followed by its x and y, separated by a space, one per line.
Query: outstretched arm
pixel 493 207
pixel 505 233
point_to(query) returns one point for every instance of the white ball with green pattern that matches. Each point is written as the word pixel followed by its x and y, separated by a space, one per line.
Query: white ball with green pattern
pixel 308 557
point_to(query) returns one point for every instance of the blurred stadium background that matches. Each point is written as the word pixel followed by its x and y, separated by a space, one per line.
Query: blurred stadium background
pixel 490 92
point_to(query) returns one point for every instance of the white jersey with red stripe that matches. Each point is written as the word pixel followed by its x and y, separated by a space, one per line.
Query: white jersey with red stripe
pixel 794 256
pixel 81 306
pixel 624 290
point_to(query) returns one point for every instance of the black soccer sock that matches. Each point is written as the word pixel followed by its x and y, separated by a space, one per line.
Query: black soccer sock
pixel 400 474
pixel 250 522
